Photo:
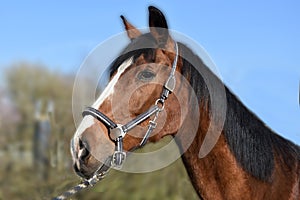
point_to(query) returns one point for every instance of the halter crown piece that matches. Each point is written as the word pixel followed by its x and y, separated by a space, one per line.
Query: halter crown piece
pixel 118 131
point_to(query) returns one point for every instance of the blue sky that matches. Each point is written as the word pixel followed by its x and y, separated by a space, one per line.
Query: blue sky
pixel 255 44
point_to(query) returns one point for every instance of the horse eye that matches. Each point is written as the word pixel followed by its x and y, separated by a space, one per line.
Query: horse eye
pixel 146 75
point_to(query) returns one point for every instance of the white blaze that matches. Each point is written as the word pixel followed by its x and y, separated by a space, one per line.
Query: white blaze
pixel 88 120
pixel 110 87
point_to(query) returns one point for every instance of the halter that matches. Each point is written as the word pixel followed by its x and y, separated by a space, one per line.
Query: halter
pixel 118 131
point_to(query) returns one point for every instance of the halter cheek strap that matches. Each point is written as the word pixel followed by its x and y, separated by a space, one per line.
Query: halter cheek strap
pixel 117 131
pixel 171 81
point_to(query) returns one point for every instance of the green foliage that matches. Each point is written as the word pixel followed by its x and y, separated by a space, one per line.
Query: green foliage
pixel 27 84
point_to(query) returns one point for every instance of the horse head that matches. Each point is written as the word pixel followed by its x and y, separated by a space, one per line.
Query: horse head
pixel 141 79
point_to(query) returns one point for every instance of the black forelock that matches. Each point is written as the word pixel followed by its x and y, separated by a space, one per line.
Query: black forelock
pixel 136 47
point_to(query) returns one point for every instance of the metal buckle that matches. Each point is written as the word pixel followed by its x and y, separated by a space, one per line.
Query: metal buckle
pixel 119 156
pixel 116 133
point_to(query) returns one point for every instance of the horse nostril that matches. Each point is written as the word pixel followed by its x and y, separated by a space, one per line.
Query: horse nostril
pixel 83 152
pixel 81 145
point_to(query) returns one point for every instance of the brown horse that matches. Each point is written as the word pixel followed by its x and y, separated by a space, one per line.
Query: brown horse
pixel 247 161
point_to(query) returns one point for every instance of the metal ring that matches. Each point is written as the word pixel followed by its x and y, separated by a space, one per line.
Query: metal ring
pixel 162 104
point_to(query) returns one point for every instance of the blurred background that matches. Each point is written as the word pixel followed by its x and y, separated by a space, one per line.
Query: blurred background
pixel 255 46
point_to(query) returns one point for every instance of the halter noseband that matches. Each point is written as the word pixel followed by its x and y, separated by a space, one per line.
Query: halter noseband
pixel 117 131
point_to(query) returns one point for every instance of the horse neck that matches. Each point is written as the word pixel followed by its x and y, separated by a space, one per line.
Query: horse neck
pixel 246 161
pixel 201 170
pixel 246 153
pixel 246 149
pixel 207 172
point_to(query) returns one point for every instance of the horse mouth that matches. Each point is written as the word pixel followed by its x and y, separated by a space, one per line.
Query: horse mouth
pixel 81 172
pixel 88 172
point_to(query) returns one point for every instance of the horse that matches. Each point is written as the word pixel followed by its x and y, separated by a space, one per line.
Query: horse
pixel 248 160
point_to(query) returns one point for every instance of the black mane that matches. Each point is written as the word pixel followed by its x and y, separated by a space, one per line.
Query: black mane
pixel 253 144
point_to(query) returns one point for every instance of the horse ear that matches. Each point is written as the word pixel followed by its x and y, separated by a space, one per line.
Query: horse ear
pixel 132 32
pixel 158 26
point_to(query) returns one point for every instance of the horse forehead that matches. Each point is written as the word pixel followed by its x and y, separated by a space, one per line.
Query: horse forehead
pixel 109 89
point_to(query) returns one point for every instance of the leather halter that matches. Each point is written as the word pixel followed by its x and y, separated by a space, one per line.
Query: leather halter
pixel 117 131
